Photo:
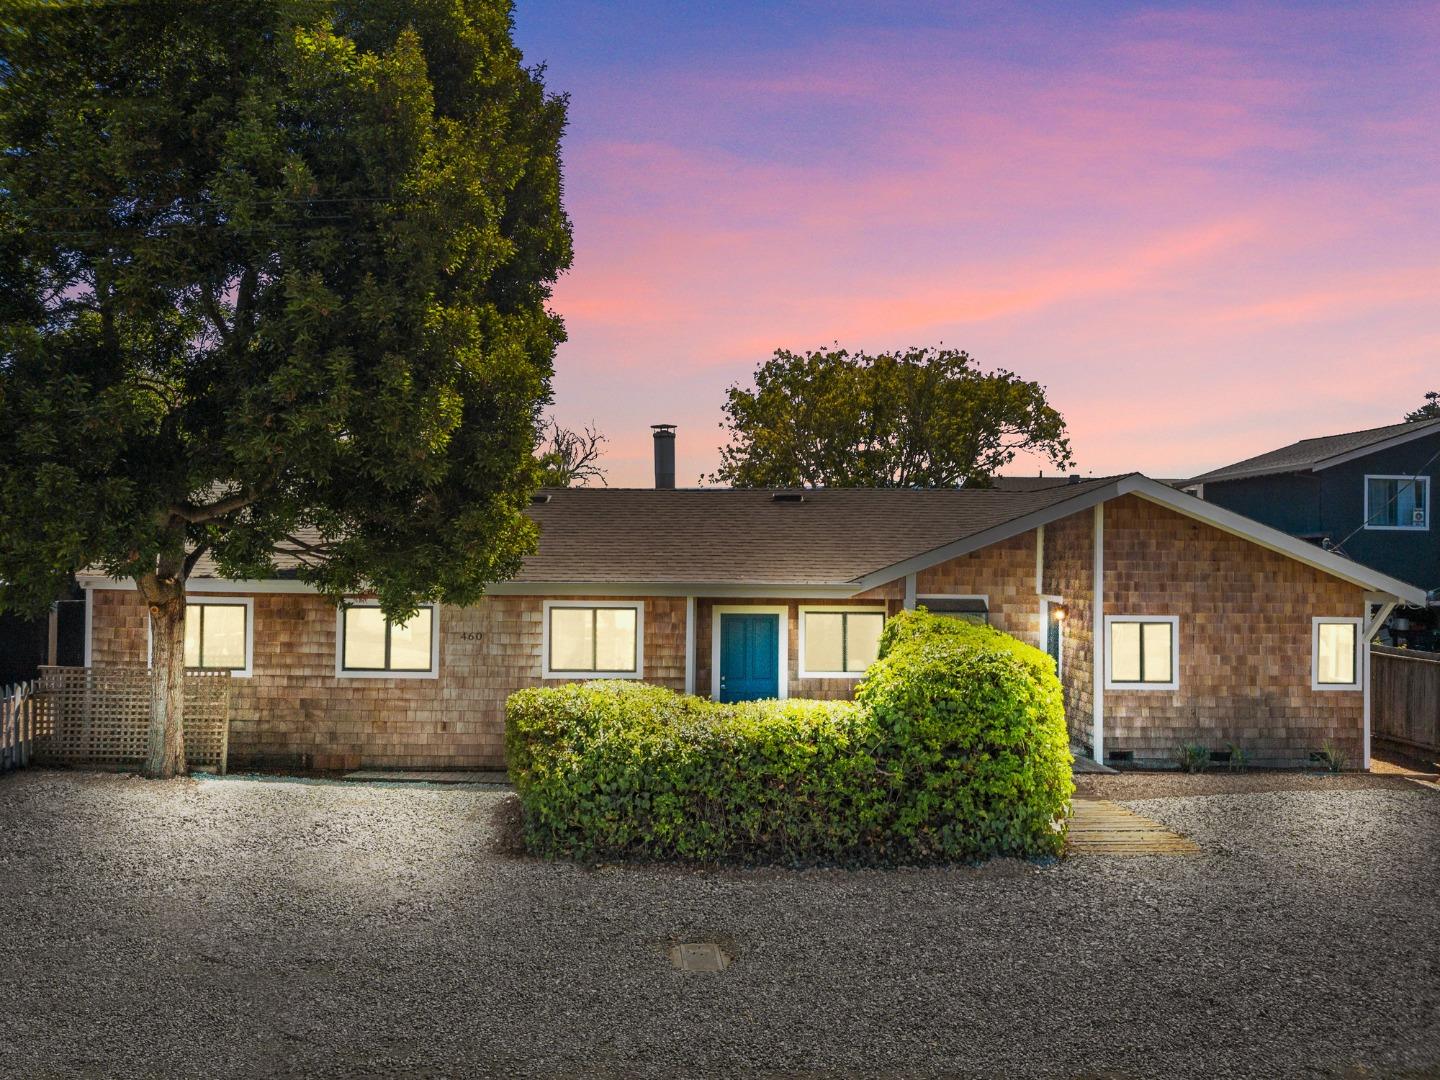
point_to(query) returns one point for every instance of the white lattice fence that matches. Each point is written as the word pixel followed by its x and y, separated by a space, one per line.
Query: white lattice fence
pixel 100 717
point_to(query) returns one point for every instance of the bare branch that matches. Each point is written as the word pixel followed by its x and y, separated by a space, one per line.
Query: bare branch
pixel 570 458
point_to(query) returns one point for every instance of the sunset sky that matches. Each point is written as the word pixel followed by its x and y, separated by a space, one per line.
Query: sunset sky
pixel 1208 229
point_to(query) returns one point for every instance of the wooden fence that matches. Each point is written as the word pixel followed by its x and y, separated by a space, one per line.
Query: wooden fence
pixel 19 705
pixel 99 717
pixel 1405 700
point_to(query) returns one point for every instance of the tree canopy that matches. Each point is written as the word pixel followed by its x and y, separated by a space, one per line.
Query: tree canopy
pixel 1429 411
pixel 918 418
pixel 275 280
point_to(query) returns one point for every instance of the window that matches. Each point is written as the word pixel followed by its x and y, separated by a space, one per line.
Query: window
pixel 839 642
pixel 1143 652
pixel 1397 502
pixel 974 609
pixel 1335 654
pixel 217 635
pixel 371 646
pixel 595 641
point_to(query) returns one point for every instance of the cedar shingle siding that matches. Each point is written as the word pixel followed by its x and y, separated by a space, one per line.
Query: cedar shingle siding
pixel 1244 629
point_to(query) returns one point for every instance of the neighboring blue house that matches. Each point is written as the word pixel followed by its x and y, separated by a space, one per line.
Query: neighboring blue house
pixel 1367 494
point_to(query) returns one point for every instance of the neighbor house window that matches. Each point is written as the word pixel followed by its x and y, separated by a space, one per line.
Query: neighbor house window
pixel 838 644
pixel 217 635
pixel 1143 652
pixel 1397 502
pixel 373 646
pixel 1335 654
pixel 593 640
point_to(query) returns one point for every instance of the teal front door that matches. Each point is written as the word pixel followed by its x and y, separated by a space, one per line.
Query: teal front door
pixel 749 656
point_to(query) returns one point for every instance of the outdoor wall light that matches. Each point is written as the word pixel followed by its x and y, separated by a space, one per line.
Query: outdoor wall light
pixel 1058 612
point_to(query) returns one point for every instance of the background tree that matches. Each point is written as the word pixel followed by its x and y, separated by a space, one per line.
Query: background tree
pixel 919 418
pixel 276 281
pixel 570 458
pixel 1429 411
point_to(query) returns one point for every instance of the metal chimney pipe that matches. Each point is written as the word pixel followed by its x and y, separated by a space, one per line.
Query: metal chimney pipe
pixel 664 455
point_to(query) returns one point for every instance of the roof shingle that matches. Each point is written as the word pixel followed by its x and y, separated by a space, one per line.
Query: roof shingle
pixel 1308 453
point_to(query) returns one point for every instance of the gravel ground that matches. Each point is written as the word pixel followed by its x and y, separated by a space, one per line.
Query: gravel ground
pixel 236 928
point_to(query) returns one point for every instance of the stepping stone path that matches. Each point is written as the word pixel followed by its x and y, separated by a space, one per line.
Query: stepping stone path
pixel 1102 827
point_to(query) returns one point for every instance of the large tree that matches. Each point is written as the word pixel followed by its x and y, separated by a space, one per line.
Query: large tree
pixel 918 418
pixel 275 281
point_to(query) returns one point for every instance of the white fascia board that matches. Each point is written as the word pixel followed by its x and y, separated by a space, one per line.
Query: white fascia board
pixel 763 590
pixel 1274 539
pixel 1428 427
pixel 206 585
pixel 788 591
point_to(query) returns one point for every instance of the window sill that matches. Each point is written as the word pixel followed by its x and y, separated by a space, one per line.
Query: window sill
pixel 387 674
pixel 588 676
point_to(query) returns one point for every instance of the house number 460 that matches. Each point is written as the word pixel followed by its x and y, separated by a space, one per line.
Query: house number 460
pixel 470 635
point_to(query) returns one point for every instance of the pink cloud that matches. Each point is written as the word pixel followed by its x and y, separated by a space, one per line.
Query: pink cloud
pixel 1207 232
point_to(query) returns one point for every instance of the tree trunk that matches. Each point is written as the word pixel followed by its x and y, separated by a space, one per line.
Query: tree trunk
pixel 166 600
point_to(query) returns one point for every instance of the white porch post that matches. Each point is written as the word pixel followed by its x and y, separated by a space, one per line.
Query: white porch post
pixel 1097 650
pixel 1369 627
pixel 690 644
pixel 909 592
pixel 89 657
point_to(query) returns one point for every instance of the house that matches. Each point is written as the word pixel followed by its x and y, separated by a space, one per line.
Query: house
pixel 1208 627
pixel 1366 494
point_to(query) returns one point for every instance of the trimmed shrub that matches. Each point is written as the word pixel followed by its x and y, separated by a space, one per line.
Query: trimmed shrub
pixel 955 749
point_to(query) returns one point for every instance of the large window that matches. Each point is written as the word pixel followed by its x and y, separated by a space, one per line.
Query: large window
pixel 1143 652
pixel 1335 654
pixel 372 646
pixel 596 640
pixel 1397 502
pixel 838 643
pixel 217 635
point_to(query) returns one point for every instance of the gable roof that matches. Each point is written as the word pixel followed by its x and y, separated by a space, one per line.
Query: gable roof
pixel 835 542
pixel 835 536
pixel 1313 455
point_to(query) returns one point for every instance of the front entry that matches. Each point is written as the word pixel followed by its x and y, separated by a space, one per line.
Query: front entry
pixel 749 656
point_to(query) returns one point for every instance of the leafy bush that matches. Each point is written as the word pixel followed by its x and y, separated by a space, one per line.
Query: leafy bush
pixel 955 749
pixel 1239 759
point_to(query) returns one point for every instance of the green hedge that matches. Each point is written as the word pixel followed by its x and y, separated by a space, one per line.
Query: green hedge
pixel 954 749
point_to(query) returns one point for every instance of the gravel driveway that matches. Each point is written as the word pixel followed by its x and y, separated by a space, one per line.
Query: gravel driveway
pixel 235 928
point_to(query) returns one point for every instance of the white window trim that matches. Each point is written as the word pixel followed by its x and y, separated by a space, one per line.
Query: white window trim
pixel 833 609
pixel 1397 528
pixel 637 606
pixel 1315 624
pixel 341 672
pixel 191 598
pixel 1046 603
pixel 782 646
pixel 1143 687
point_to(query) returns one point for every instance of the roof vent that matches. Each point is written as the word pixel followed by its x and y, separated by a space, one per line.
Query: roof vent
pixel 539 499
pixel 787 496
